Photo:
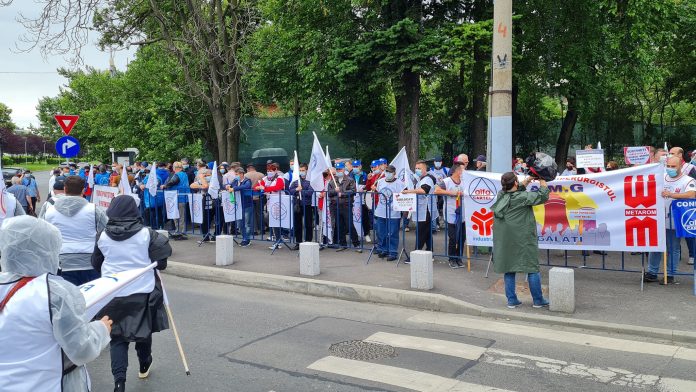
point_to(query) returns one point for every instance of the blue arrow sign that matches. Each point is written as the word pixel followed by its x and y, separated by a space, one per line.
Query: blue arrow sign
pixel 67 147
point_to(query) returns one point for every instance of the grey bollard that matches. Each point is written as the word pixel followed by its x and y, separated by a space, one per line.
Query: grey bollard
pixel 421 270
pixel 309 259
pixel 562 289
pixel 224 250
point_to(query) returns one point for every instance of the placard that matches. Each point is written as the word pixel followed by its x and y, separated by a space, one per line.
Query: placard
pixel 232 211
pixel 637 155
pixel 404 202
pixel 103 195
pixel 589 158
pixel 171 202
pixel 196 207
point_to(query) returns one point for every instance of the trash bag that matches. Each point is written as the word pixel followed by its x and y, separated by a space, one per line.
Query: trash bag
pixel 540 165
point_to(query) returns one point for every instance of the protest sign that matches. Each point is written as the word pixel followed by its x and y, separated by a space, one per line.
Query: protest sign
pixel 103 195
pixel 280 211
pixel 684 216
pixel 589 158
pixel 171 202
pixel 637 155
pixel 404 202
pixel 196 207
pixel 619 210
pixel 231 210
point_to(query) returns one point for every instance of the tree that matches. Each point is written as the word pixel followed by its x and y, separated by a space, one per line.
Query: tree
pixel 6 117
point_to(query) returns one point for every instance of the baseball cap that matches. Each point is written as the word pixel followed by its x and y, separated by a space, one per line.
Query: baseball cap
pixel 357 162
pixel 340 165
pixel 481 158
pixel 59 185
pixel 438 158
pixel 382 161
pixel 374 163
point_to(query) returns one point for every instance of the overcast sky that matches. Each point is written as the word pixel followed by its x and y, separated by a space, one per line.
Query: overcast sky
pixel 27 77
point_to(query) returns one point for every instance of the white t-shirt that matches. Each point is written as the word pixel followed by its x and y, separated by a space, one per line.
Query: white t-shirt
pixel 386 189
pixel 681 184
pixel 448 184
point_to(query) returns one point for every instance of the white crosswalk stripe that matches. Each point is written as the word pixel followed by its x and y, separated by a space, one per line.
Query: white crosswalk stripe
pixel 420 381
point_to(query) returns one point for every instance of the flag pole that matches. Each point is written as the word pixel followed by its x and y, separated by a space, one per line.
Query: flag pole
pixel 664 266
pixel 171 321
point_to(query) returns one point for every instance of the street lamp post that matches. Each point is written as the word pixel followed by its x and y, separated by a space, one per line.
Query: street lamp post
pixel 26 154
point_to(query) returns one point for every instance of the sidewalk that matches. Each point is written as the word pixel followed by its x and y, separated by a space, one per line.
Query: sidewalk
pixel 603 296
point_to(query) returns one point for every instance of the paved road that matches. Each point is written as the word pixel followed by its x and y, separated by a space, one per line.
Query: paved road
pixel 242 339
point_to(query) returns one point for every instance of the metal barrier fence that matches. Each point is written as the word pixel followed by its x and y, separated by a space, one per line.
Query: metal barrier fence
pixel 342 225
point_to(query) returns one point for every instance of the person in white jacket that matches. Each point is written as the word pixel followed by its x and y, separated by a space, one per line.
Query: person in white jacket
pixel 45 337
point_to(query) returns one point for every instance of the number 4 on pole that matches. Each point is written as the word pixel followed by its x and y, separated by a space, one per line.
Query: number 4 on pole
pixel 502 29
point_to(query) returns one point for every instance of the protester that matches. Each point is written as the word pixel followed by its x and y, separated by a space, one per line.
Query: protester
pixel 200 185
pixel 451 189
pixel 570 169
pixel 9 206
pixel 189 170
pixel 612 165
pixel 54 174
pixel 254 176
pixel 426 208
pixel 272 186
pixel 678 185
pixel 440 173
pixel 687 168
pixel 154 205
pixel 341 192
pixel 21 194
pixel 178 181
pixel 515 236
pixel 481 163
pixel 462 159
pixel 29 181
pixel 78 222
pixel 303 211
pixel 45 336
pixel 519 166
pixel 242 185
pixel 57 191
pixel 138 310
pixel 386 218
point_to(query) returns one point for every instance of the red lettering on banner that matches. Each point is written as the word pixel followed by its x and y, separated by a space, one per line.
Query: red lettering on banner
pixel 641 193
pixel 636 229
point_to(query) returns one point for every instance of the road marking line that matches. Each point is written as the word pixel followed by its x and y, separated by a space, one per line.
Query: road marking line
pixel 404 378
pixel 444 347
pixel 575 338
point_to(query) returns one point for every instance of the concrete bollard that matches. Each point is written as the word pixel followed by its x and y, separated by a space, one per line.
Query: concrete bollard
pixel 224 250
pixel 309 259
pixel 421 270
pixel 562 289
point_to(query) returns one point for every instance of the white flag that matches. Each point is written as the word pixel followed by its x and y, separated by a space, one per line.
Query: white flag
pixel 328 157
pixel 403 170
pixel 90 177
pixel 124 186
pixel 99 292
pixel 152 180
pixel 214 186
pixel 295 169
pixel 317 166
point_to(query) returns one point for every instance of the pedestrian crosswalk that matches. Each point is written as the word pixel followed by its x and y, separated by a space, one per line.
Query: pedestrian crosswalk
pixel 611 377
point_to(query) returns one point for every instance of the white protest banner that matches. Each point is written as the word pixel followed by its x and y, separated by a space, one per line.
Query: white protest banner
pixel 403 170
pixel 357 210
pixel 404 202
pixel 232 211
pixel 637 155
pixel 589 158
pixel 317 166
pixel 99 292
pixel 280 211
pixel 196 207
pixel 620 210
pixel 171 202
pixel 103 195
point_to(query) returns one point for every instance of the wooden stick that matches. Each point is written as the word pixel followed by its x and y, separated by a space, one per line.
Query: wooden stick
pixel 664 266
pixel 468 258
pixel 178 341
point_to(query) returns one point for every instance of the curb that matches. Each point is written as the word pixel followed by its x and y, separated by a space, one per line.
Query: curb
pixel 406 298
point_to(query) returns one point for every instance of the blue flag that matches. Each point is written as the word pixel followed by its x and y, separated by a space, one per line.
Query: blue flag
pixel 684 217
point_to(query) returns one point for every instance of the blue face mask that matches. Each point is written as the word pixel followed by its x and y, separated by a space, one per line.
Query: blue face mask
pixel 671 172
pixel 339 174
pixel 376 171
pixel 389 176
pixel 222 171
pixel 207 178
pixel 185 167
pixel 303 174
pixel 356 170
pixel 418 173
pixel 438 165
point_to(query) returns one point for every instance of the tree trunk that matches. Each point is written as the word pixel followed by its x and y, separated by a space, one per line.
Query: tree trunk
pixel 220 123
pixel 478 103
pixel 407 114
pixel 566 134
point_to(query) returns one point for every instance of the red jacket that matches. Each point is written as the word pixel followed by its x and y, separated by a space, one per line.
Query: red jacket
pixel 276 185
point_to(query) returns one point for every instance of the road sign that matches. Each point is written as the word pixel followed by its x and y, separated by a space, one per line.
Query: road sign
pixel 66 122
pixel 67 147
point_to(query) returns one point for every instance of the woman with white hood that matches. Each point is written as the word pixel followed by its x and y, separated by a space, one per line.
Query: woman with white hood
pixel 45 336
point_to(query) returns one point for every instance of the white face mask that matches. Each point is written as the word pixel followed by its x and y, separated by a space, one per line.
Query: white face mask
pixel 389 176
pixel 438 164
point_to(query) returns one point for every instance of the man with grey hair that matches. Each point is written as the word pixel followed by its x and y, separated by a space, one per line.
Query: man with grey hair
pixel 21 193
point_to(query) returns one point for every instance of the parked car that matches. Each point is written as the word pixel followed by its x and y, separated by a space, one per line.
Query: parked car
pixel 9 172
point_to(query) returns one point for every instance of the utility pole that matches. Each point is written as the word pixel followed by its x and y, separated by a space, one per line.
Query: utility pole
pixel 499 136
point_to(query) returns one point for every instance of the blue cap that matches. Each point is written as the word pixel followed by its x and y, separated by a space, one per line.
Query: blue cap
pixel 374 163
pixel 340 165
pixel 437 159
pixel 357 162
pixel 382 161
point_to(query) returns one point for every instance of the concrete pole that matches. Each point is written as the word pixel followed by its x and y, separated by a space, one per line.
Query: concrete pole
pixel 500 99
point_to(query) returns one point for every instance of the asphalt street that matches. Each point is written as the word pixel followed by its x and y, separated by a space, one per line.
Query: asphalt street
pixel 243 339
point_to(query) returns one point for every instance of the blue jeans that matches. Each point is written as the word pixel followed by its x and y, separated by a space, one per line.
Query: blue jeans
pixel 691 245
pixel 673 255
pixel 388 241
pixel 534 281
pixel 244 225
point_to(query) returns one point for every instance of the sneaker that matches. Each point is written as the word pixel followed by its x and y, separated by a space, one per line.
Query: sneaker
pixel 542 304
pixel 381 255
pixel 453 263
pixel 359 250
pixel 244 244
pixel 273 247
pixel 296 247
pixel 691 261
pixel 648 277
pixel 120 386
pixel 391 258
pixel 341 249
pixel 145 368
pixel 369 240
pixel 670 280
pixel 407 229
pixel 459 263
pixel 513 305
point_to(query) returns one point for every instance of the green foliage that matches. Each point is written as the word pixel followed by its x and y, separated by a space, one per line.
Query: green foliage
pixel 6 117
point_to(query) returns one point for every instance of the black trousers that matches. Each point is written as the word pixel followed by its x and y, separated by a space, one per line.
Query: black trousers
pixel 455 238
pixel 119 356
pixel 342 220
pixel 304 223
pixel 425 234
pixel 366 219
pixel 154 217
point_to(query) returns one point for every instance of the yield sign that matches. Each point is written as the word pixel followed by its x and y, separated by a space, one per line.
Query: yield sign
pixel 66 122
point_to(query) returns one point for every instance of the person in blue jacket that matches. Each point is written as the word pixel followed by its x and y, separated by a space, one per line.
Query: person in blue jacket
pixel 154 205
pixel 302 208
pixel 241 186
pixel 178 181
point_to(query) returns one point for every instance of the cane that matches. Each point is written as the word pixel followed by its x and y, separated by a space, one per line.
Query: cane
pixel 171 321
